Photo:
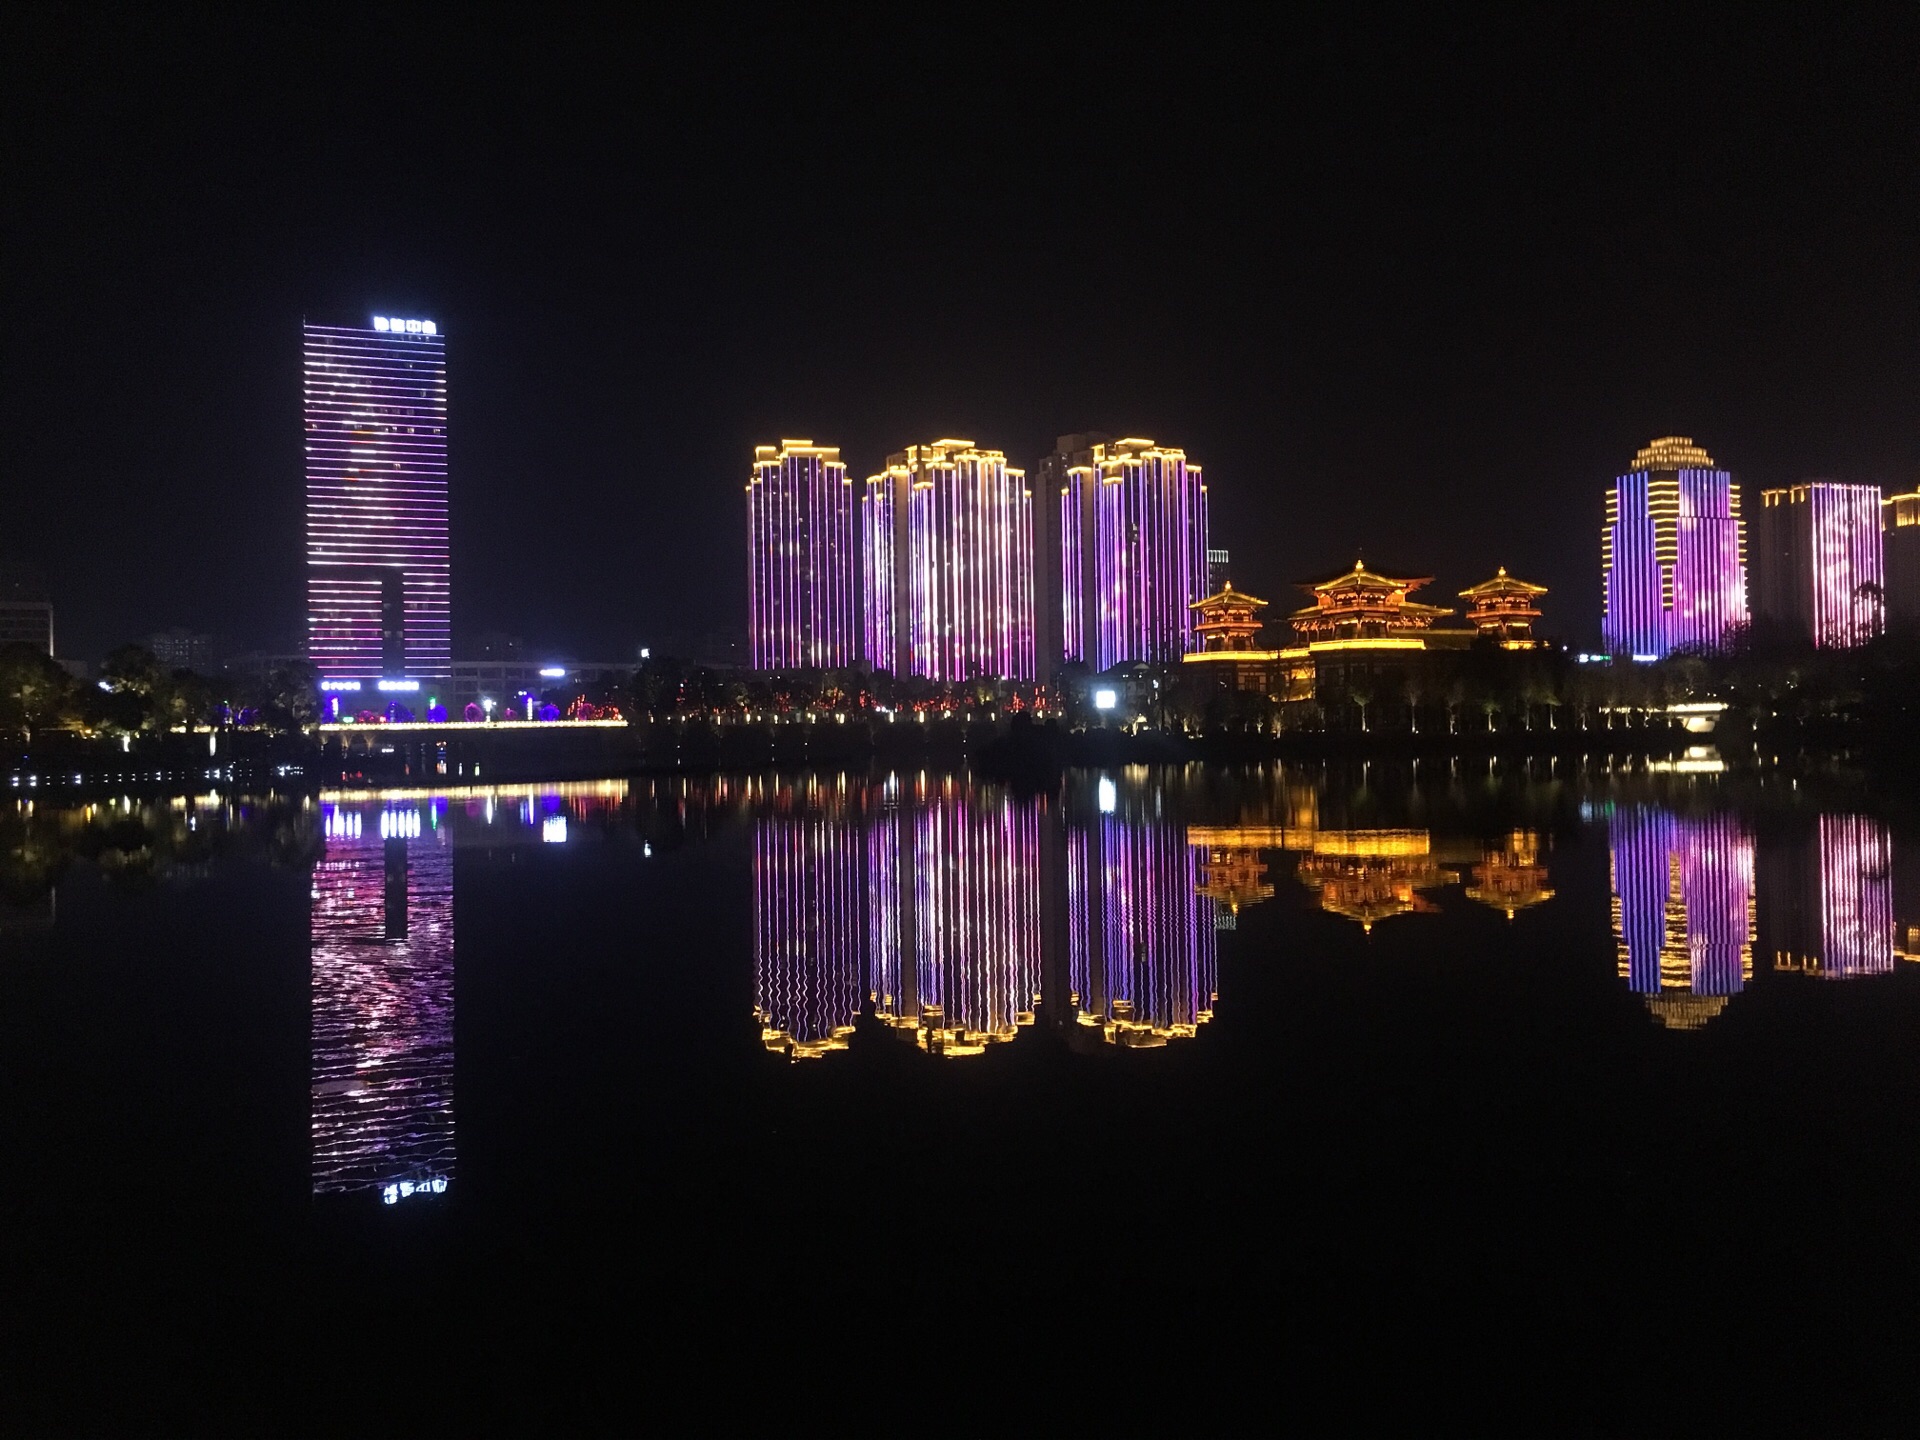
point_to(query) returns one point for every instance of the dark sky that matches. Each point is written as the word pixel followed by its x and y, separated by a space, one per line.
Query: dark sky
pixel 1413 291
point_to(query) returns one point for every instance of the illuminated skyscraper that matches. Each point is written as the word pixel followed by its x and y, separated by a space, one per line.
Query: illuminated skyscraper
pixel 1817 563
pixel 1673 553
pixel 1133 554
pixel 378 559
pixel 382 934
pixel 948 565
pixel 1683 911
pixel 802 559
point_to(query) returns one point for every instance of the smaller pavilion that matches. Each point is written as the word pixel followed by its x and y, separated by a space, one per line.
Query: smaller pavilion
pixel 1503 610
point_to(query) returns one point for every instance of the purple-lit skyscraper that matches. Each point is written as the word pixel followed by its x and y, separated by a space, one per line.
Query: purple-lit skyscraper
pixel 1133 548
pixel 1817 564
pixel 1673 553
pixel 948 565
pixel 378 558
pixel 803 561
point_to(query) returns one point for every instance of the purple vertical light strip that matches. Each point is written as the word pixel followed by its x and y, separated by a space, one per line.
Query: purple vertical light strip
pixel 1847 565
pixel 1856 896
pixel 801 561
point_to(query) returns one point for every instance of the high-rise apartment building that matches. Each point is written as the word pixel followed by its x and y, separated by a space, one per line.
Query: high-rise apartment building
pixel 26 614
pixel 1133 554
pixel 948 565
pixel 378 558
pixel 1673 553
pixel 1900 557
pixel 803 559
pixel 1816 562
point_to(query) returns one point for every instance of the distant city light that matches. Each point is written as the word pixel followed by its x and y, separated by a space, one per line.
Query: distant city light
pixel 554 672
pixel 645 653
pixel 408 685
pixel 1105 699
pixel 1109 796
pixel 336 684
pixel 553 830
pixel 395 325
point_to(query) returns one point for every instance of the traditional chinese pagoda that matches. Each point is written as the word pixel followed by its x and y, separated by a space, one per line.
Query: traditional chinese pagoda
pixel 1226 622
pixel 1363 604
pixel 1504 608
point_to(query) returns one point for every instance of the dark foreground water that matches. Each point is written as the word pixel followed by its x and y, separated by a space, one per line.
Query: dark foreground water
pixel 1558 1102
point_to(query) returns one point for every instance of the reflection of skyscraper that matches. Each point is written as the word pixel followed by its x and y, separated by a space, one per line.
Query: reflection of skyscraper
pixel 802 558
pixel 1683 911
pixel 1827 907
pixel 1142 956
pixel 382 945
pixel 955 931
pixel 378 558
pixel 809 912
pixel 1673 552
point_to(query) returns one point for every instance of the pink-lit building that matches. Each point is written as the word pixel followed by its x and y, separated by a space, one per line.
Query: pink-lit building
pixel 1673 553
pixel 1817 563
pixel 1132 552
pixel 1683 910
pixel 948 565
pixel 378 557
pixel 803 559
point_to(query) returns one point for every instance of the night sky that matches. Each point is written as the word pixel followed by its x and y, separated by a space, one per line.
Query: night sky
pixel 1416 293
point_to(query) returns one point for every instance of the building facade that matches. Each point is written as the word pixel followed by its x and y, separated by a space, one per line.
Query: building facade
pixel 948 565
pixel 1816 563
pixel 803 559
pixel 1673 553
pixel 1900 557
pixel 1133 554
pixel 26 612
pixel 378 559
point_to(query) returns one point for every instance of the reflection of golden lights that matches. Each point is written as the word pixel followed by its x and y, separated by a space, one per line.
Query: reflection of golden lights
pixel 1232 876
pixel 1373 875
pixel 1512 878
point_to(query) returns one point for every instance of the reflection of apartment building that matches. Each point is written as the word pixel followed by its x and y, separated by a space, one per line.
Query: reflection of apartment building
pixel 1683 911
pixel 1826 903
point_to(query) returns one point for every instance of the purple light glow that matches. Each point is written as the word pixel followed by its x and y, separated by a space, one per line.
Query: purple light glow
pixel 809 904
pixel 382 927
pixel 1683 896
pixel 1856 896
pixel 802 559
pixel 1673 561
pixel 378 558
pixel 1847 568
pixel 1151 553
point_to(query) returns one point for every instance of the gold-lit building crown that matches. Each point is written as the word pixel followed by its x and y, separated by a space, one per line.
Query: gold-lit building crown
pixel 1672 452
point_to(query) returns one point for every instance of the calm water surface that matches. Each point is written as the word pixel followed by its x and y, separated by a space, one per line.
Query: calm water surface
pixel 1553 1098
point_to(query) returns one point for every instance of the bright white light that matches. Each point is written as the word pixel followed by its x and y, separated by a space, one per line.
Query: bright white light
pixel 105 686
pixel 380 322
pixel 554 672
pixel 553 830
pixel 1109 796
pixel 1645 659
pixel 397 685
pixel 486 704
pixel 427 327
pixel 340 685
pixel 1105 699
pixel 413 327
pixel 645 653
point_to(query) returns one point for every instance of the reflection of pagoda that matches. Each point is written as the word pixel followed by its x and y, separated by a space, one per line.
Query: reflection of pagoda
pixel 1362 604
pixel 1503 610
pixel 1683 911
pixel 1373 875
pixel 1512 877
pixel 1231 875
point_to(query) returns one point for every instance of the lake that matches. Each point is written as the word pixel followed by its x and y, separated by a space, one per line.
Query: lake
pixel 1526 1096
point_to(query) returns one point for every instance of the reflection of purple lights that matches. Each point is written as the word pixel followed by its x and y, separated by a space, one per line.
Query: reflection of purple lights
pixel 1683 891
pixel 1856 896
pixel 1141 944
pixel 382 947
pixel 801 559
pixel 809 915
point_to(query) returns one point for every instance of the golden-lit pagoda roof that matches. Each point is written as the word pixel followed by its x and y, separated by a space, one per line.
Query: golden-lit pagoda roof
pixel 1228 596
pixel 1360 577
pixel 1502 584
